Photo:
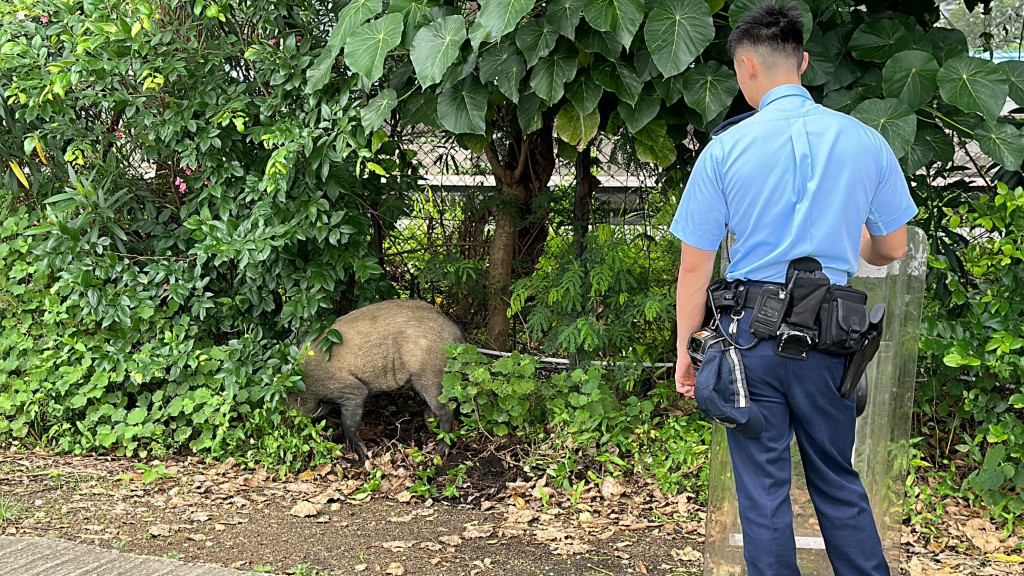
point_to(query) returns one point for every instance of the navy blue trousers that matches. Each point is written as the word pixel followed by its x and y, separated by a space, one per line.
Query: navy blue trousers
pixel 800 397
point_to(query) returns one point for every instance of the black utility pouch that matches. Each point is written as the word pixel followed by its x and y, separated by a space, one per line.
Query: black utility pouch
pixel 806 286
pixel 843 320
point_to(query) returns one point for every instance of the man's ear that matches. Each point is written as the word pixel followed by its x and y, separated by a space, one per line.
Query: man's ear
pixel 750 67
pixel 803 66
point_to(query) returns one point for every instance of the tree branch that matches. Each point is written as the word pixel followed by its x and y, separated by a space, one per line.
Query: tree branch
pixel 524 152
pixel 500 172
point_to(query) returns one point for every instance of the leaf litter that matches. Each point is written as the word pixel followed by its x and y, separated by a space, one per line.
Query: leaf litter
pixel 202 512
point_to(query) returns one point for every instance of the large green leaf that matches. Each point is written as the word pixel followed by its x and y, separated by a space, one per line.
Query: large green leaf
pixel 499 17
pixel 910 77
pixel 974 85
pixel 621 17
pixel 670 89
pixel 821 64
pixel 529 112
pixel 565 16
pixel 536 39
pixel 654 145
pixel 617 77
pixel 846 69
pixel 709 88
pixel 869 85
pixel 420 107
pixel 879 40
pixel 930 145
pixel 504 65
pixel 595 41
pixel 740 7
pixel 1002 143
pixel 646 108
pixel 463 66
pixel 892 119
pixel 947 43
pixel 370 43
pixel 676 32
pixel 575 127
pixel 842 100
pixel 549 76
pixel 436 46
pixel 415 11
pixel 351 16
pixel 461 108
pixel 584 92
pixel 644 65
pixel 1014 71
pixel 376 110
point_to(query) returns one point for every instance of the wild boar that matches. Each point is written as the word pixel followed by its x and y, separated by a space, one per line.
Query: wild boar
pixel 384 347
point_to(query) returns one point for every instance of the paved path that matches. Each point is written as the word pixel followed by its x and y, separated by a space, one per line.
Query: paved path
pixel 53 557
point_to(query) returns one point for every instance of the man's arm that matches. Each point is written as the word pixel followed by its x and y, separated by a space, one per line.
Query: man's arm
pixel 695 269
pixel 881 250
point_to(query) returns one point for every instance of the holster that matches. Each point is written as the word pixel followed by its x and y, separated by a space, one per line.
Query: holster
pixel 857 362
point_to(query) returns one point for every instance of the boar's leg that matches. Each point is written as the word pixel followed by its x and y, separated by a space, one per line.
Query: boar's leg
pixel 441 411
pixel 351 405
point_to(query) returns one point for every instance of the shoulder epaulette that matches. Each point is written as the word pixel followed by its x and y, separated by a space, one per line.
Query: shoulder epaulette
pixel 731 122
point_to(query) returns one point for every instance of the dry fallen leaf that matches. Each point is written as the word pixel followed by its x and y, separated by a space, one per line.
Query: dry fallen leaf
pixel 160 530
pixel 451 540
pixel 305 509
pixel 478 531
pixel 395 569
pixel 611 489
pixel 398 545
pixel 359 567
pixel 326 497
pixel 687 555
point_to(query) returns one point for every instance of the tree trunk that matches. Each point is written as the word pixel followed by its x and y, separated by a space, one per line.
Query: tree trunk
pixel 520 227
pixel 585 185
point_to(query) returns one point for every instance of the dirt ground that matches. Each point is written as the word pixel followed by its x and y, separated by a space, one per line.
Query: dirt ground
pixel 343 520
pixel 320 523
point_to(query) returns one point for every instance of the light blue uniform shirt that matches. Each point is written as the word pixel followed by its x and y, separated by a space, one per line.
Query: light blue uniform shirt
pixel 796 179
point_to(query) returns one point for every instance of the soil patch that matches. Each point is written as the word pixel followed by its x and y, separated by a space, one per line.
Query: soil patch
pixel 339 520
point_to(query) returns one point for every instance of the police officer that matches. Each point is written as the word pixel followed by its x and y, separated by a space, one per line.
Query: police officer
pixel 794 179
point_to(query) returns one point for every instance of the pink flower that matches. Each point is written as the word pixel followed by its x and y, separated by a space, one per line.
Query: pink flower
pixel 36 223
pixel 298 39
pixel 119 135
pixel 206 182
pixel 187 170
pixel 45 19
pixel 165 286
pixel 273 41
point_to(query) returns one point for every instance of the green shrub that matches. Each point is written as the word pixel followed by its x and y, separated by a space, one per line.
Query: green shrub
pixel 201 210
pixel 972 358
pixel 578 421
pixel 155 386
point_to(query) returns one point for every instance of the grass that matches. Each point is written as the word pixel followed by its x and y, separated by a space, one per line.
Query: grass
pixel 9 508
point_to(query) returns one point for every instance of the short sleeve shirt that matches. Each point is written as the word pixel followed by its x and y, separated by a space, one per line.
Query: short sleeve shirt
pixel 795 179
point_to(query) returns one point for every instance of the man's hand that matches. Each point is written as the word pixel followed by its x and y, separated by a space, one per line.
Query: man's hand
pixel 686 378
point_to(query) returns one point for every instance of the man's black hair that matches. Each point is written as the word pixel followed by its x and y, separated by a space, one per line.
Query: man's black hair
pixel 774 32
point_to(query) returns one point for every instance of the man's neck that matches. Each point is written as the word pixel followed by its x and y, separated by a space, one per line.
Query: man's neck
pixel 776 82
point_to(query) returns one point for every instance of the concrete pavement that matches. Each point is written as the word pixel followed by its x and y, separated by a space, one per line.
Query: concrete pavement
pixel 52 557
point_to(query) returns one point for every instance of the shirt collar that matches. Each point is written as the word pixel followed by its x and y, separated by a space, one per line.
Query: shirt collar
pixel 783 91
